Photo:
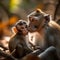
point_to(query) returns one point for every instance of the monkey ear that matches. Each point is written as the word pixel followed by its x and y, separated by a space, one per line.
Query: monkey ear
pixel 14 30
pixel 38 10
pixel 30 18
pixel 47 18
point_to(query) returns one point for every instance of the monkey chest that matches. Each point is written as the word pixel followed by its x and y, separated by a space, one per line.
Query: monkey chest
pixel 36 40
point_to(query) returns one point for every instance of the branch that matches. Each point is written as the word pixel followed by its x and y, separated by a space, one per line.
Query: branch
pixel 5 48
pixel 57 7
pixel 9 57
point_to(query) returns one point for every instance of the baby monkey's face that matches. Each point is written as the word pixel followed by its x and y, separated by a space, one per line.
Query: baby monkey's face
pixel 22 27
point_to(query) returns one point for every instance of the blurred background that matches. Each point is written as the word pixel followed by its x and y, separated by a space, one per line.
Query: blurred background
pixel 13 10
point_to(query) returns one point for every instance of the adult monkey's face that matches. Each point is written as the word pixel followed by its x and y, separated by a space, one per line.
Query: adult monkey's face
pixel 36 20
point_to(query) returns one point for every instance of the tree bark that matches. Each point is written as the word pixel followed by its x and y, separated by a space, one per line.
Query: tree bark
pixel 50 7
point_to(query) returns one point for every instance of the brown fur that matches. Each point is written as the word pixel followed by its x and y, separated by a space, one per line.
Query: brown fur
pixel 47 29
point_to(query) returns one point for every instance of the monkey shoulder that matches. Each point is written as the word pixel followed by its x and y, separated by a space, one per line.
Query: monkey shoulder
pixel 54 25
pixel 52 34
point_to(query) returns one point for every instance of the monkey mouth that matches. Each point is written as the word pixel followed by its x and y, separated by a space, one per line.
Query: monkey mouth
pixel 25 34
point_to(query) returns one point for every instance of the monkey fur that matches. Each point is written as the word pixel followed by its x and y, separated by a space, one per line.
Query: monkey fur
pixel 44 30
pixel 17 44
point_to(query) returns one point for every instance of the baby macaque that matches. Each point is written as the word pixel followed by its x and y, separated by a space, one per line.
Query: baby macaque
pixel 43 31
pixel 17 44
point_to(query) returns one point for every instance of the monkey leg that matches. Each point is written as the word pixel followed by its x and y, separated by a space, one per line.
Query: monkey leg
pixel 49 54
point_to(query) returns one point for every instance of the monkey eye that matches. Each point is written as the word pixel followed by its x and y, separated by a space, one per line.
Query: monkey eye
pixel 24 22
pixel 36 26
pixel 20 23
pixel 32 19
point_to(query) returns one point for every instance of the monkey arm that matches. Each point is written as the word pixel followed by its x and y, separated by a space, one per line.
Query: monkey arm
pixel 22 50
pixel 19 51
pixel 49 54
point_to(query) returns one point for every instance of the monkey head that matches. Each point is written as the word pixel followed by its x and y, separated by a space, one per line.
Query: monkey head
pixel 21 27
pixel 37 19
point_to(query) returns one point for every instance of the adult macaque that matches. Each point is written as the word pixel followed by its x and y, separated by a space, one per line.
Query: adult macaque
pixel 44 32
pixel 17 43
